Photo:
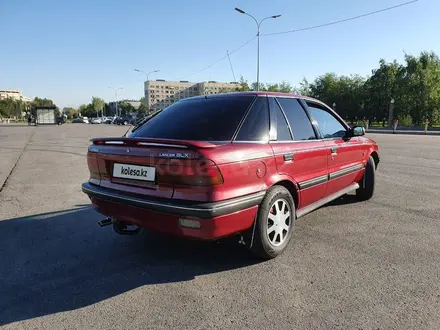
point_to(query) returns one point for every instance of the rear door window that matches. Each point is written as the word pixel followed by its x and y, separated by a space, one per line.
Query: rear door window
pixel 256 124
pixel 200 119
pixel 283 132
pixel 299 121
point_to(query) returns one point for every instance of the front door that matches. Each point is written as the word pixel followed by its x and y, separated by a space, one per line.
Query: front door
pixel 344 155
pixel 298 152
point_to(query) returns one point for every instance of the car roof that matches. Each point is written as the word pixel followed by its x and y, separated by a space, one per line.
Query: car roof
pixel 251 93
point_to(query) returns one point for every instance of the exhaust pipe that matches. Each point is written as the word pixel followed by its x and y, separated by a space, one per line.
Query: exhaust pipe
pixel 106 222
pixel 120 227
pixel 123 229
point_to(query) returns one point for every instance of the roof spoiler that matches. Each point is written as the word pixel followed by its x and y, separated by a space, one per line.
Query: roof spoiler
pixel 153 142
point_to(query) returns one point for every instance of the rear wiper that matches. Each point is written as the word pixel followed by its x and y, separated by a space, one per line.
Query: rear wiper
pixel 144 120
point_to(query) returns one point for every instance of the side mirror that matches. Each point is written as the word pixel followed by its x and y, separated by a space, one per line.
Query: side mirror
pixel 358 131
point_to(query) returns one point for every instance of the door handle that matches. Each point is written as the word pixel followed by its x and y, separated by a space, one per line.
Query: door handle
pixel 334 150
pixel 288 157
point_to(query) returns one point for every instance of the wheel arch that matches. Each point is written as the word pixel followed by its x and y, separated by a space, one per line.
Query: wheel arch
pixel 292 188
pixel 287 182
pixel 375 156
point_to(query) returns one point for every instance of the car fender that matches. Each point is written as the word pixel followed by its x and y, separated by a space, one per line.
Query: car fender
pixel 277 178
pixel 374 152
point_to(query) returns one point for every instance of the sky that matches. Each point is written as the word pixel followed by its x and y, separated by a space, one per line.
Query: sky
pixel 71 50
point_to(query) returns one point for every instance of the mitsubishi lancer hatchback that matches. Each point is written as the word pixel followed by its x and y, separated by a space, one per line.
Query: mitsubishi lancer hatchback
pixel 239 164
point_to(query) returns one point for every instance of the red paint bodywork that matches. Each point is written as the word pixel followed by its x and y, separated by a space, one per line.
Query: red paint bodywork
pixel 246 168
pixel 167 223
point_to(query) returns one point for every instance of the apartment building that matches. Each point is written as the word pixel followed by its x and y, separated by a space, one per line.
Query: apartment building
pixel 13 94
pixel 160 94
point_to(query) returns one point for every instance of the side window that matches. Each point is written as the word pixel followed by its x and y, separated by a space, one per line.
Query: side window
pixel 283 132
pixel 256 124
pixel 329 126
pixel 299 121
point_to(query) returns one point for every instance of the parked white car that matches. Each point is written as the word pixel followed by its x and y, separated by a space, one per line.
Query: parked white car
pixel 96 121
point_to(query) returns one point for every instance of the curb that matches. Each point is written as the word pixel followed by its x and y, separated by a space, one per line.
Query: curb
pixel 402 132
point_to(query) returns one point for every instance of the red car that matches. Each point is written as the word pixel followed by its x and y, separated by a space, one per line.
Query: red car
pixel 245 164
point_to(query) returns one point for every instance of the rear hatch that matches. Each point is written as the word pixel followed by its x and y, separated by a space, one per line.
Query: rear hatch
pixel 149 166
pixel 167 150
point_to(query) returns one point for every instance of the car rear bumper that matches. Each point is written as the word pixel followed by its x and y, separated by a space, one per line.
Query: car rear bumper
pixel 216 219
pixel 181 208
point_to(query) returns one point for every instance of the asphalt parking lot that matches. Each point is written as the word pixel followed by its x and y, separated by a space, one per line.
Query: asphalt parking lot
pixel 371 265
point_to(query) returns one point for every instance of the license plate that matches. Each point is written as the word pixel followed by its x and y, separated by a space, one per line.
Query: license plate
pixel 134 172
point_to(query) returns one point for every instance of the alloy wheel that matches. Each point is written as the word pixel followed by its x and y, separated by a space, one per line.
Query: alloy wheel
pixel 279 222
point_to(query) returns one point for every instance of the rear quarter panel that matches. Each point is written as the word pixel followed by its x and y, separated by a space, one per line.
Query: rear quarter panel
pixel 246 168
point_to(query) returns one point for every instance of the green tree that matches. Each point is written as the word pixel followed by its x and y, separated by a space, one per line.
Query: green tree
pixel 13 108
pixel 125 108
pixel 421 87
pixel 70 112
pixel 263 87
pixel 285 87
pixel 304 88
pixel 38 102
pixel 244 86
pixel 142 110
pixel 414 86
pixel 346 92
pixel 81 110
pixel 98 105
pixel 381 88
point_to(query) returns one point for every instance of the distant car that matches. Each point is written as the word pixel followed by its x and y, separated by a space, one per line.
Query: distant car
pixel 96 121
pixel 122 121
pixel 245 164
pixel 108 120
pixel 61 120
pixel 79 120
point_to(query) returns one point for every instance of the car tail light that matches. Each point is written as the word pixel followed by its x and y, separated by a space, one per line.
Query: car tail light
pixel 92 163
pixel 190 172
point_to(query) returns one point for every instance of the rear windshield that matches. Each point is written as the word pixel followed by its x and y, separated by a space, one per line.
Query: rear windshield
pixel 204 119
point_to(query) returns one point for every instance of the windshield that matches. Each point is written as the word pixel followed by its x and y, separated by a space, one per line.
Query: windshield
pixel 200 119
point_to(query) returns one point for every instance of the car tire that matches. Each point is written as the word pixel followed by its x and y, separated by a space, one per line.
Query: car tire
pixel 367 184
pixel 268 244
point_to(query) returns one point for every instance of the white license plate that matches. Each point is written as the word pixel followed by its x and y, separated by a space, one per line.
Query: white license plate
pixel 134 172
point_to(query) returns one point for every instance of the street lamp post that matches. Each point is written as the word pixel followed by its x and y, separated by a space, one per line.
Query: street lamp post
pixel 147 101
pixel 391 114
pixel 147 74
pixel 258 35
pixel 116 97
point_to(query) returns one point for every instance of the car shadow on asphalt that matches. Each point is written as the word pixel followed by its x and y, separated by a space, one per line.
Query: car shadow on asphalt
pixel 16 125
pixel 61 261
pixel 343 200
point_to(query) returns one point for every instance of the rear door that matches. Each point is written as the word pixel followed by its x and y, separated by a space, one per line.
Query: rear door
pixel 344 155
pixel 298 152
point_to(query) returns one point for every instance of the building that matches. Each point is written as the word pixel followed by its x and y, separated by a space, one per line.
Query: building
pixel 13 94
pixel 160 94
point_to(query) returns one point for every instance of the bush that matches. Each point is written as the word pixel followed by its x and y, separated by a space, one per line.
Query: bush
pixel 406 120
